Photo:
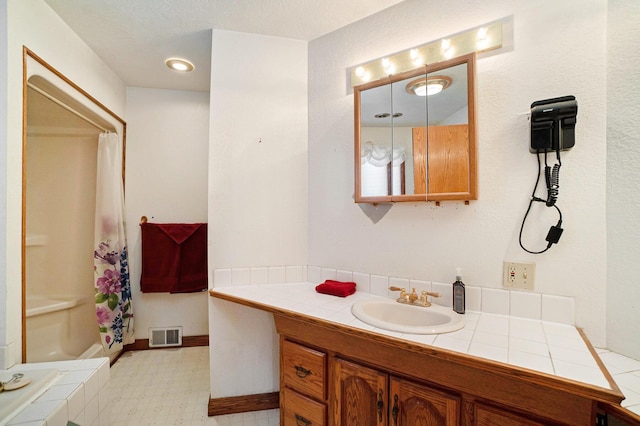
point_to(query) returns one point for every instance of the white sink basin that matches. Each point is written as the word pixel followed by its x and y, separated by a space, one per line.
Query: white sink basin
pixel 391 315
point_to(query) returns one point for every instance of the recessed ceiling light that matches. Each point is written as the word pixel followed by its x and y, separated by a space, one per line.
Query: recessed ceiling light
pixel 178 64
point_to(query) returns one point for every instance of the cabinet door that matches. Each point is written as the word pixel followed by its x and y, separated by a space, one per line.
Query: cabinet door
pixel 359 395
pixel 416 405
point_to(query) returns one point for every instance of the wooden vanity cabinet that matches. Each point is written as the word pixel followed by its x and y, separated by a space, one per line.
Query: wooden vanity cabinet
pixel 332 374
pixel 355 378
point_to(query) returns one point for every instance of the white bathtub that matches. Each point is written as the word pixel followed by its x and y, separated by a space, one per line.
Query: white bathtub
pixel 61 328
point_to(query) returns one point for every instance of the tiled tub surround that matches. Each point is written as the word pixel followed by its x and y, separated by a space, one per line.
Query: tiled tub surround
pixel 79 393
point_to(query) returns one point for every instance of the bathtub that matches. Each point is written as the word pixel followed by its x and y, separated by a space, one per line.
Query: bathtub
pixel 61 328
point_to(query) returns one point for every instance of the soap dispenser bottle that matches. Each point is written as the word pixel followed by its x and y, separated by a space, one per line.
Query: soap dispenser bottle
pixel 458 293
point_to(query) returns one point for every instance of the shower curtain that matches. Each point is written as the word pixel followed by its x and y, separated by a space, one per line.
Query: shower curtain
pixel 114 306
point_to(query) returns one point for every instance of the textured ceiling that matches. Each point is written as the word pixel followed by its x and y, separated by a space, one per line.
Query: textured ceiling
pixel 134 37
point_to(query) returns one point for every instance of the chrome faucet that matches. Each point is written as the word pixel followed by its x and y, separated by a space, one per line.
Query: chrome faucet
pixel 413 298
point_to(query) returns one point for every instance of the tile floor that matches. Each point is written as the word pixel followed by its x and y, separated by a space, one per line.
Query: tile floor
pixel 170 387
pixel 179 396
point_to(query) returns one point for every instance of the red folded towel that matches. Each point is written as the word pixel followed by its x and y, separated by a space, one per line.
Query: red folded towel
pixel 336 288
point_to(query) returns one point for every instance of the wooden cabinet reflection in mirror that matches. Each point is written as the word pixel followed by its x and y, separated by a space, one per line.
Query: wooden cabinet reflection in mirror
pixel 414 145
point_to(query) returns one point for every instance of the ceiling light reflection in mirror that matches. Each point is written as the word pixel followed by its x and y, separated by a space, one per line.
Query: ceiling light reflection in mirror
pixel 479 39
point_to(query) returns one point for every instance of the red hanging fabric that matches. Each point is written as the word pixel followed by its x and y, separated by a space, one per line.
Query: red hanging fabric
pixel 174 257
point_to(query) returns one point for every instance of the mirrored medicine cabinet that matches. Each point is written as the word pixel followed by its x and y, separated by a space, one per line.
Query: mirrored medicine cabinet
pixel 415 135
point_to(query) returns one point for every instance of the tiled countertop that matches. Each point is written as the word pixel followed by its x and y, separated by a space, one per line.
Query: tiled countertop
pixel 550 348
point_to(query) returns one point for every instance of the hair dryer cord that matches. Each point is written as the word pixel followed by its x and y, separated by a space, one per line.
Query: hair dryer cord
pixel 553 184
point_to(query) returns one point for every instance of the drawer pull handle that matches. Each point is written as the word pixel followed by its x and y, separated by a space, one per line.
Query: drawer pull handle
pixel 301 421
pixel 302 372
pixel 394 411
pixel 380 405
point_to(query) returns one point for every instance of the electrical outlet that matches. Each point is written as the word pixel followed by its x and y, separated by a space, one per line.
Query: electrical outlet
pixel 519 275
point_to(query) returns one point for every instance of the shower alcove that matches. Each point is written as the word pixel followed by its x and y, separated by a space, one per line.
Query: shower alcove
pixel 60 143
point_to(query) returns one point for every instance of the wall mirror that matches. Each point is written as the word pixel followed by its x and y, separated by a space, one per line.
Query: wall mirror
pixel 415 135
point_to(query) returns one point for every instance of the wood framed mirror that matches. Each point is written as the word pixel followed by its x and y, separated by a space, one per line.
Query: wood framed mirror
pixel 414 146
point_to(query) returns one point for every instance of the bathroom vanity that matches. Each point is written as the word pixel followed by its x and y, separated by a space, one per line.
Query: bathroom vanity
pixel 337 371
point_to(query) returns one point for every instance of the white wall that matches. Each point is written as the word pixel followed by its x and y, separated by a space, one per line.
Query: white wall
pixel 559 48
pixel 257 192
pixel 166 180
pixel 34 24
pixel 623 177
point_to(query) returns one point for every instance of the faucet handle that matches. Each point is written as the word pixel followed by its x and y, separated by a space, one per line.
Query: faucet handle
pixel 404 297
pixel 431 293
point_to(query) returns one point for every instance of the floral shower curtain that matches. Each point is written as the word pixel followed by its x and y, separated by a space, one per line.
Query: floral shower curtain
pixel 114 306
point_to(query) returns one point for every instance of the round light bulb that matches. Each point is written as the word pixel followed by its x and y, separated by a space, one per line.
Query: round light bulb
pixel 432 89
pixel 178 64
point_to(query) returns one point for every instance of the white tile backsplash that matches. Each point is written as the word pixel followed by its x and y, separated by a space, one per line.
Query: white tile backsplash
pixel 379 285
pixel 446 294
pixel 277 274
pixel 221 277
pixel 362 282
pixel 328 274
pixel 399 283
pixel 495 301
pixel 519 304
pixel 296 274
pixel 241 276
pixel 473 298
pixel 345 276
pixel 525 305
pixel 420 285
pixel 314 274
pixel 558 309
pixel 259 275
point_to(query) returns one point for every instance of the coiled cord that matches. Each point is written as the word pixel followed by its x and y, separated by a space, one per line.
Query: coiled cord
pixel 552 178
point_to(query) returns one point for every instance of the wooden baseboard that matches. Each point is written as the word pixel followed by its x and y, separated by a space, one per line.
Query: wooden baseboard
pixel 187 341
pixel 243 404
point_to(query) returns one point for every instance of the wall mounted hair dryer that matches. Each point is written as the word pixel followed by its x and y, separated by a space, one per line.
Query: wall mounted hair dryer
pixel 553 124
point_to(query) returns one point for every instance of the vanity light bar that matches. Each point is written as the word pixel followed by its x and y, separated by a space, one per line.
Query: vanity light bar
pixel 479 39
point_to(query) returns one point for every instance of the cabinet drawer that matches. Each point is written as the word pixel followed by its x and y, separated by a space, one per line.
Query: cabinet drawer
pixel 302 411
pixel 303 369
